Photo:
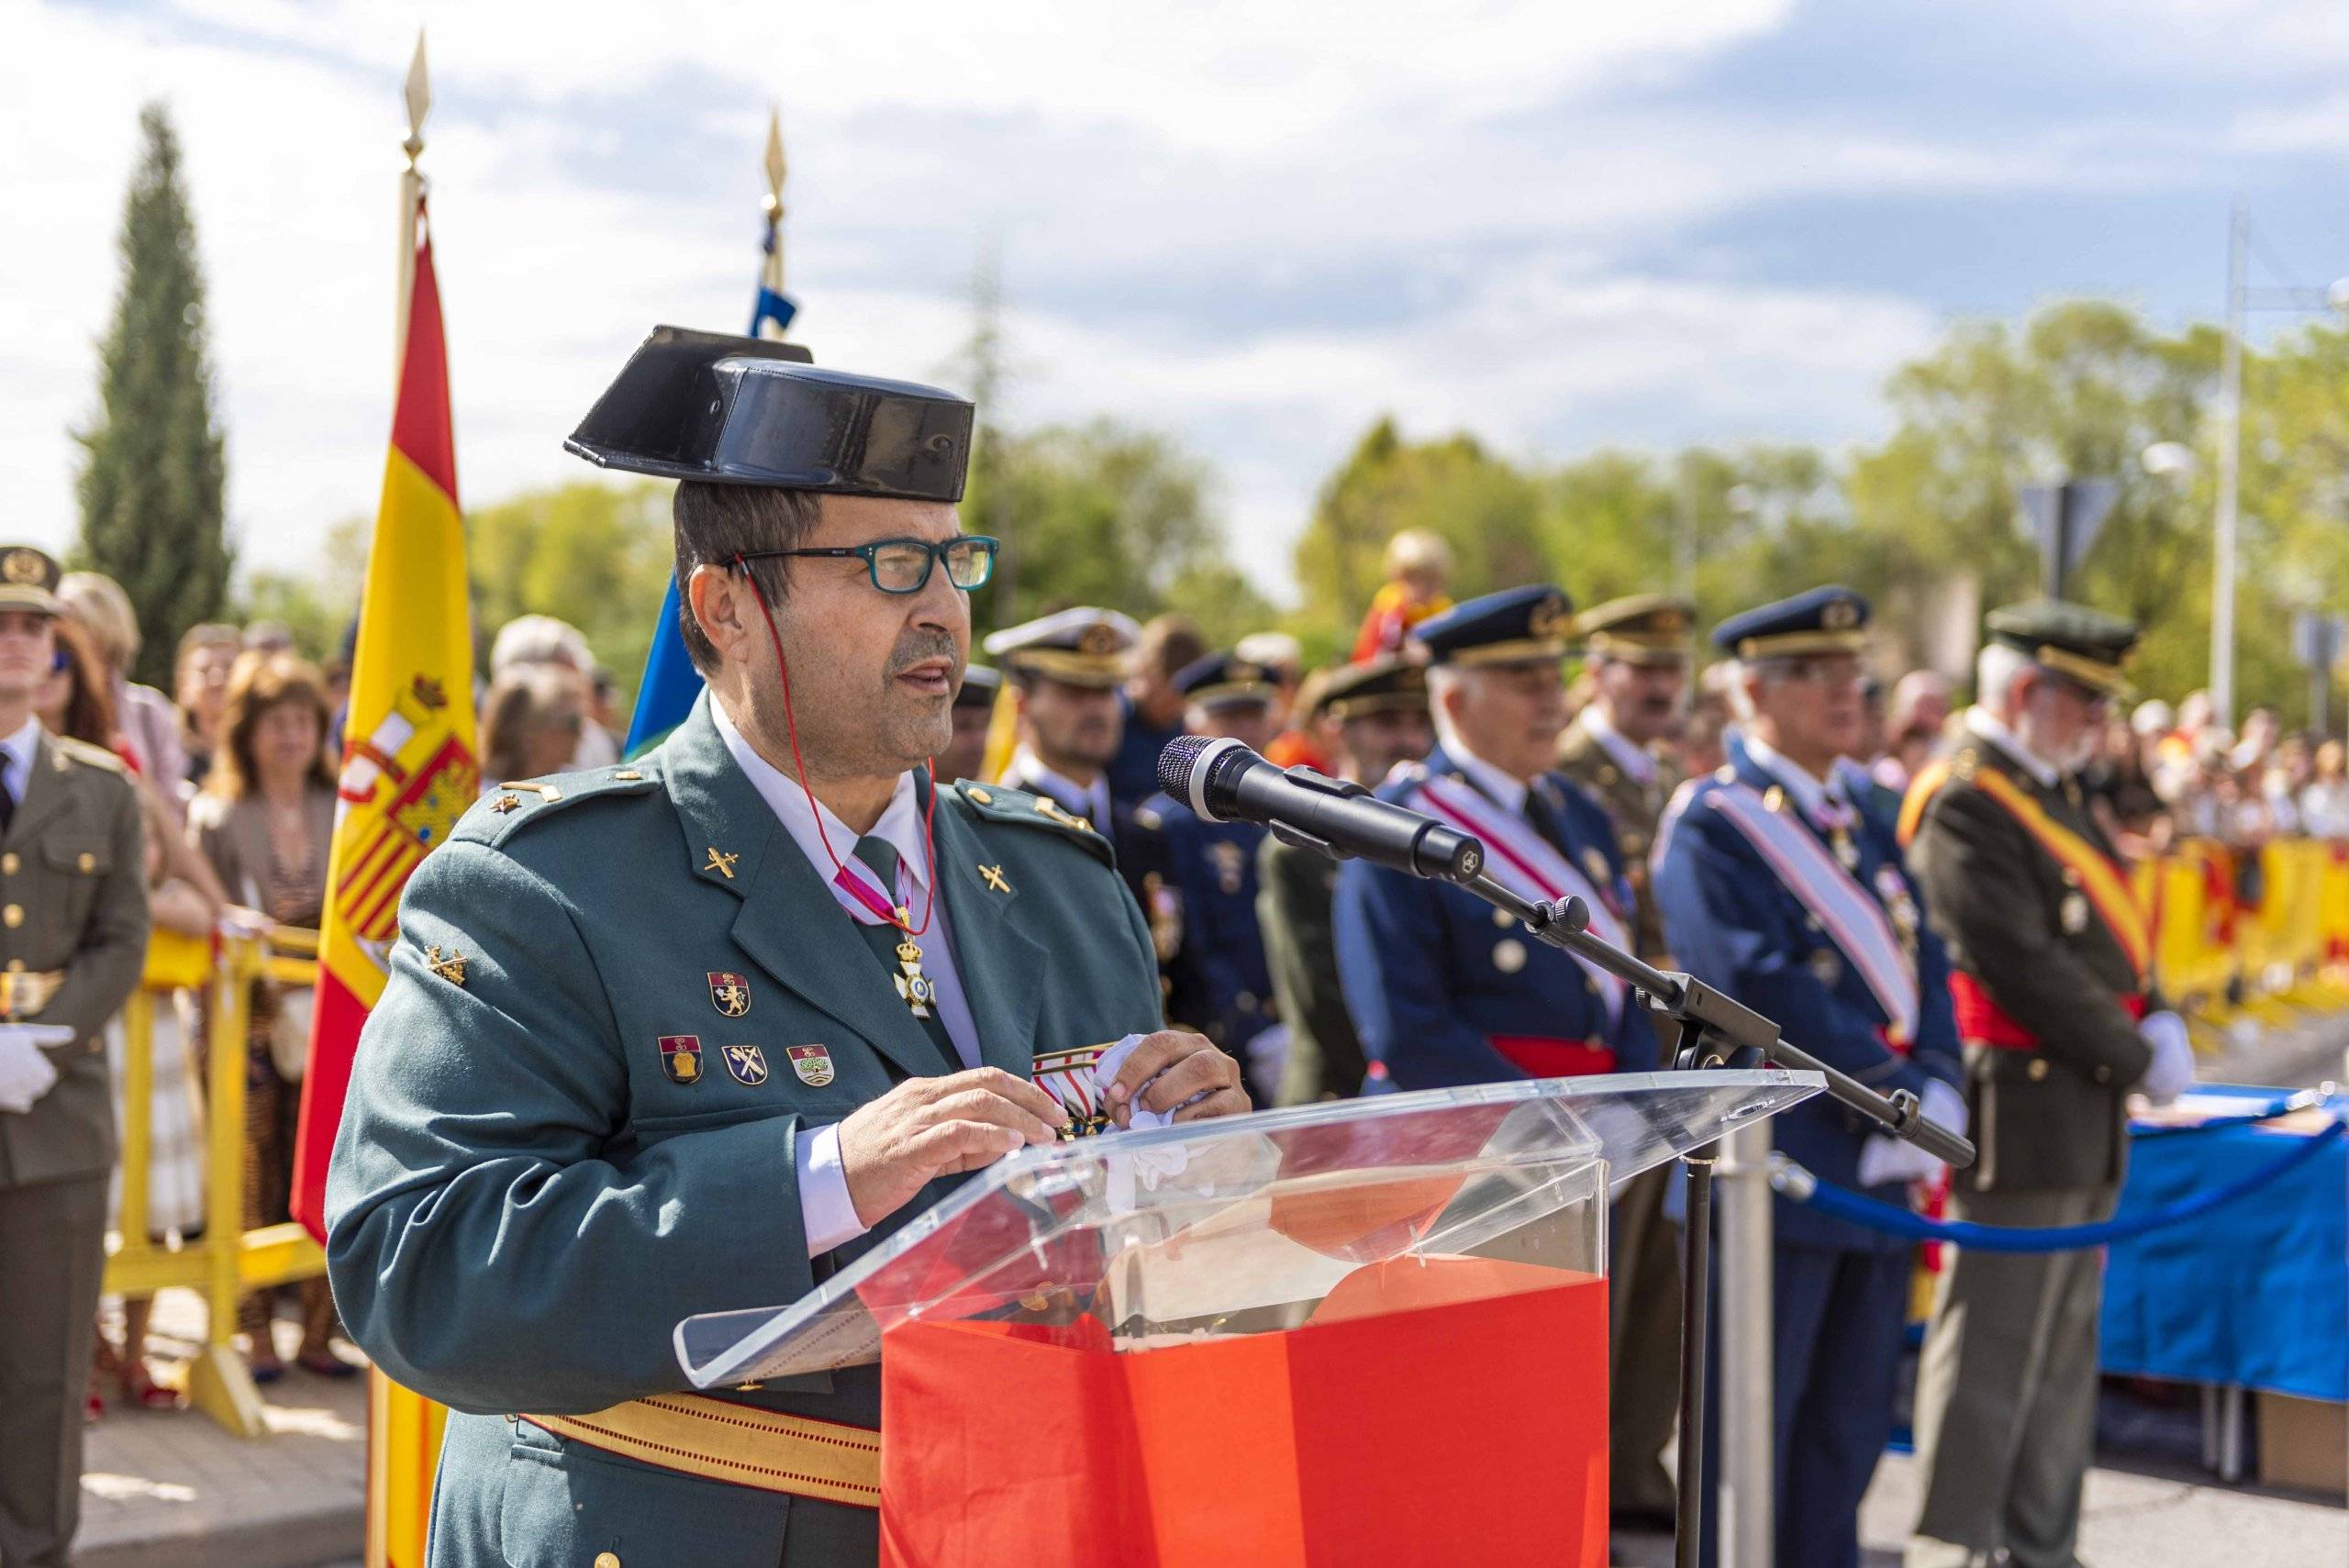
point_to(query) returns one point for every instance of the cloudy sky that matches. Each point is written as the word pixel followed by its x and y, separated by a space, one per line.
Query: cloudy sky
pixel 1560 224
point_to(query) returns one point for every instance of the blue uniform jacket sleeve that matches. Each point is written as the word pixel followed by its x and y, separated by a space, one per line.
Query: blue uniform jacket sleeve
pixel 1391 963
pixel 493 1241
pixel 1728 923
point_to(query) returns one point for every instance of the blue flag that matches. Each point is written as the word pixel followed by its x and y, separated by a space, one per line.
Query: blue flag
pixel 671 683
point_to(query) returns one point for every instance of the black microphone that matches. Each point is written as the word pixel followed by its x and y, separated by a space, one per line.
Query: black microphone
pixel 1223 781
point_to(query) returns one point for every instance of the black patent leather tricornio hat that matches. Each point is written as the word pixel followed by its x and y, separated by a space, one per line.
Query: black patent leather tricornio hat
pixel 730 410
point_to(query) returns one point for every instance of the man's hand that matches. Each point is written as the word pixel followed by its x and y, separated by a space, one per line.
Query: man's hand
pixel 928 1128
pixel 1171 1068
pixel 26 1072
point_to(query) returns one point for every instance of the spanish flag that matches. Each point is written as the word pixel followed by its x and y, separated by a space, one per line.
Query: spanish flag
pixel 408 772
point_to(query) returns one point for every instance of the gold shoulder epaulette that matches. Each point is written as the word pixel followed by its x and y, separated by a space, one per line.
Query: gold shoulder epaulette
pixel 1001 803
pixel 86 754
pixel 508 806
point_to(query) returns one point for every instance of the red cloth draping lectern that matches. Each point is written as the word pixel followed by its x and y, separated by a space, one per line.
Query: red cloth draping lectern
pixel 1365 1331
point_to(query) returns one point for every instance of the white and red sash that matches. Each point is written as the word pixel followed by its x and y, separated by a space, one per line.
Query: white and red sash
pixel 1853 918
pixel 1526 864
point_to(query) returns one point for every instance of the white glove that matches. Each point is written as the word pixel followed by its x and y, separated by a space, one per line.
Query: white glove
pixel 2171 1073
pixel 25 1074
pixel 1884 1158
pixel 1945 1105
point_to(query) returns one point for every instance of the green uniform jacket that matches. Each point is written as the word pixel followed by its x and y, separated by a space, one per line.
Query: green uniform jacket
pixel 523 1203
pixel 1635 810
pixel 1295 889
pixel 73 897
pixel 2050 1117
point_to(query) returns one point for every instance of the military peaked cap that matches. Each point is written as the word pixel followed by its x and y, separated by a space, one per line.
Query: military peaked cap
pixel 1386 685
pixel 1225 680
pixel 1646 629
pixel 2083 645
pixel 1518 626
pixel 28 580
pixel 1832 619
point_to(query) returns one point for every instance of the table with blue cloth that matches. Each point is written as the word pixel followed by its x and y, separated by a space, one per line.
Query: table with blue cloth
pixel 2253 1295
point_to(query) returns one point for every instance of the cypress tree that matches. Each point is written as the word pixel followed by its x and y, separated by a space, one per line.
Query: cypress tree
pixel 155 466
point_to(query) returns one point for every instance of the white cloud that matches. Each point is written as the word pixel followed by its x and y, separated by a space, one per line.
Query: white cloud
pixel 1258 225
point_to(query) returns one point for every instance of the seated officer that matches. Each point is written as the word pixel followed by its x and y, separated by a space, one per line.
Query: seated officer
pixel 1064 670
pixel 1780 890
pixel 1217 978
pixel 1445 988
pixel 973 714
pixel 691 1034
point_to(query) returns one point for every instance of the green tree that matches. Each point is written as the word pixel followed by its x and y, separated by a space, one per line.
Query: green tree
pixel 154 464
pixel 1485 507
pixel 1100 514
pixel 594 554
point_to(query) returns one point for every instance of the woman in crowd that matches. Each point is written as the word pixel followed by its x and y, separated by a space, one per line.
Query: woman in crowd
pixel 147 726
pixel 530 723
pixel 264 821
pixel 201 683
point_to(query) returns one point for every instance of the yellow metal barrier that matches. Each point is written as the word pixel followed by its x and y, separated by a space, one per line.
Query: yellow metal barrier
pixel 227 1259
pixel 2216 958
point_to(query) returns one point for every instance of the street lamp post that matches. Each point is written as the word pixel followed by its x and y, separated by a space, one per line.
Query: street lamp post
pixel 2240 299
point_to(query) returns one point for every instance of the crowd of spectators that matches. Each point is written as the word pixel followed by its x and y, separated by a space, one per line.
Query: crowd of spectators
pixel 236 769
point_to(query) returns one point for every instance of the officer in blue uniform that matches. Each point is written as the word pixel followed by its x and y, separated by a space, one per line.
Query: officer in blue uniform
pixel 1444 989
pixel 1788 893
pixel 1218 978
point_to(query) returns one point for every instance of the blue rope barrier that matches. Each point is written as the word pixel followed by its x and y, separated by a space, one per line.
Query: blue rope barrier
pixel 1799 1185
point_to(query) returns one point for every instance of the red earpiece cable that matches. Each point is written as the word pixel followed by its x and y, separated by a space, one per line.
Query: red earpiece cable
pixel 791 727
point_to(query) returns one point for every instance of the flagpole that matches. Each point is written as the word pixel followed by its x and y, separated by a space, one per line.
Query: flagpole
pixel 769 320
pixel 418 94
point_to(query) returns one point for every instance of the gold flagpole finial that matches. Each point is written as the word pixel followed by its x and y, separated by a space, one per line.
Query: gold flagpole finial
pixel 419 102
pixel 775 166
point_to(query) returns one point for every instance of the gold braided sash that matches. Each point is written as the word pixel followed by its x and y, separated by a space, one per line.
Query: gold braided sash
pixel 2107 888
pixel 739 1444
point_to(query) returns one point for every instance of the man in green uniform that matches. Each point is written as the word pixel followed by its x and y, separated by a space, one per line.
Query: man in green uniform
pixel 692 1033
pixel 1615 750
pixel 1371 717
pixel 72 936
pixel 2050 972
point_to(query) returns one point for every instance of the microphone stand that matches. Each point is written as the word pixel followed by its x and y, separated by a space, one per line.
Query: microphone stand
pixel 1710 1030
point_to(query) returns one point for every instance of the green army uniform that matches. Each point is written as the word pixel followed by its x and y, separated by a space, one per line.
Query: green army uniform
pixel 72 939
pixel 1294 890
pixel 621 1005
pixel 524 1200
pixel 2047 996
pixel 1643 1331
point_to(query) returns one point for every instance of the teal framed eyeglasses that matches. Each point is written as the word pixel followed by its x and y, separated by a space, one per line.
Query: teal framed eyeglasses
pixel 903 565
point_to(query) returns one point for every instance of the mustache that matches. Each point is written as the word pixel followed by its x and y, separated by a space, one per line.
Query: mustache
pixel 918 646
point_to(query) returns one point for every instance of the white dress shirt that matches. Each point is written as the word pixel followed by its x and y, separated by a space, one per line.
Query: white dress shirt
pixel 1505 790
pixel 1812 795
pixel 1092 803
pixel 825 1209
pixel 1637 762
pixel 16 754
pixel 1982 722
